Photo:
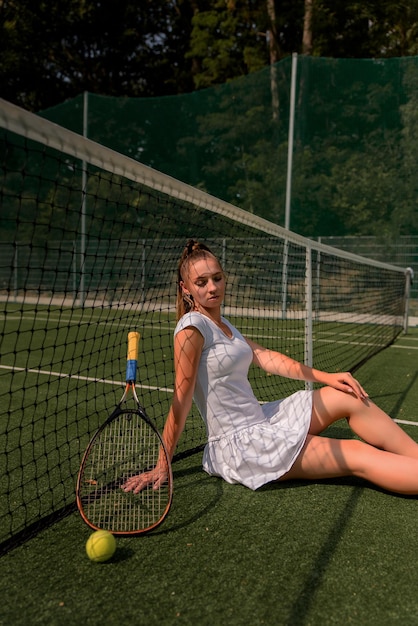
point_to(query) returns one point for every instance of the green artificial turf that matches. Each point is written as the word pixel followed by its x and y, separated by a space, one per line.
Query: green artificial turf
pixel 337 552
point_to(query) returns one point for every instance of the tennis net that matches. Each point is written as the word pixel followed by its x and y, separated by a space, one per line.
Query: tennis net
pixel 89 243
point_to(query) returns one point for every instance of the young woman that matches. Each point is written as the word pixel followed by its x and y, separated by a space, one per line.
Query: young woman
pixel 254 444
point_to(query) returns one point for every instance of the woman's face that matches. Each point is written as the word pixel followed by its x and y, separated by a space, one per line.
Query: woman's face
pixel 205 281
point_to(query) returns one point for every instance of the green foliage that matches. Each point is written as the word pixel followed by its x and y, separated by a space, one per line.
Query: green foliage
pixel 228 42
pixel 51 51
pixel 355 144
pixel 373 28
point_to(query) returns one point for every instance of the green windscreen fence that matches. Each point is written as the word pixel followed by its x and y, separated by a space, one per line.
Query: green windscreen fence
pixel 355 148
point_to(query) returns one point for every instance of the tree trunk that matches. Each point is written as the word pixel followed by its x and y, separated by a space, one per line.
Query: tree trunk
pixel 307 41
pixel 274 57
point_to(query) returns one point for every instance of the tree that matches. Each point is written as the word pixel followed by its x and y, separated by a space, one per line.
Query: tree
pixel 227 41
pixel 52 51
pixel 234 55
pixel 368 29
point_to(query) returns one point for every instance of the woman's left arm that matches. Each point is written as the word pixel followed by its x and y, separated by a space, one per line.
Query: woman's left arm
pixel 277 363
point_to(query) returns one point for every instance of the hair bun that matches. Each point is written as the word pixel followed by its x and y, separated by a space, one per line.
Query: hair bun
pixel 191 246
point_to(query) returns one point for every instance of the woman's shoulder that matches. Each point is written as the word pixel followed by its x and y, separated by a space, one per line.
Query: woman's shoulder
pixel 192 318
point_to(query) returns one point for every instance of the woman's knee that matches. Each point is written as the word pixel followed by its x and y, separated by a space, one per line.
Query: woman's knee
pixel 327 407
pixel 330 405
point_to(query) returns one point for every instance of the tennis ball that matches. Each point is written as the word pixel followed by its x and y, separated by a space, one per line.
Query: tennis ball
pixel 100 546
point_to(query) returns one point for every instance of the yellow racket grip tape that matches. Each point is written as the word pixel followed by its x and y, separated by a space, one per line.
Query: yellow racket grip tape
pixel 133 341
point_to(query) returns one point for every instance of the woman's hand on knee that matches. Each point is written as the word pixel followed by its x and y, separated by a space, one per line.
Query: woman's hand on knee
pixel 344 381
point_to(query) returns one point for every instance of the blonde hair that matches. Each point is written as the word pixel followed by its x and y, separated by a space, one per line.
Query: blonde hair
pixel 193 251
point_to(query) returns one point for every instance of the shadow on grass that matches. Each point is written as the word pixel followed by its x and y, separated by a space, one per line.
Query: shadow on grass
pixel 302 605
pixel 207 492
pixel 313 581
pixel 399 397
pixel 402 397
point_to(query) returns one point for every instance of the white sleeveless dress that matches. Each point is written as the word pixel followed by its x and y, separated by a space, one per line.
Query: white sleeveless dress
pixel 248 443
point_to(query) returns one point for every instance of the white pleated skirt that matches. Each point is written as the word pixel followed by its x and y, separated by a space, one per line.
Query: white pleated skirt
pixel 263 452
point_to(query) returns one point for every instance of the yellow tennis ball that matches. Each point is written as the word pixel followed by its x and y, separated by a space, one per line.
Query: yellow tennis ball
pixel 100 546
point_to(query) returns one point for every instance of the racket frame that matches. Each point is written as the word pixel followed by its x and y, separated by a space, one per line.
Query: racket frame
pixel 119 410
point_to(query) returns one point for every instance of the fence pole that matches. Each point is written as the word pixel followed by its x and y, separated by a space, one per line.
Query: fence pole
pixel 290 140
pixel 289 178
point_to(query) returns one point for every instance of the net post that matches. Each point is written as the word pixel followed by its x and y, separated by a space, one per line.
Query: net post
pixel 74 269
pixel 284 277
pixel 316 305
pixel 83 207
pixel 143 270
pixel 223 263
pixel 15 271
pixel 409 276
pixel 308 314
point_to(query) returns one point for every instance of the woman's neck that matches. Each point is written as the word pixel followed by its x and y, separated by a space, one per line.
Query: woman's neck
pixel 212 314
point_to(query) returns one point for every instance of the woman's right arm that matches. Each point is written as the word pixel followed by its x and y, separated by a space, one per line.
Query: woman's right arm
pixel 188 345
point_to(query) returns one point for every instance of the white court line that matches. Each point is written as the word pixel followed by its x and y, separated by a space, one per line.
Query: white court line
pixel 78 377
pixel 406 422
pixel 321 333
pixel 65 321
pixel 126 323
pixel 119 383
pixel 319 339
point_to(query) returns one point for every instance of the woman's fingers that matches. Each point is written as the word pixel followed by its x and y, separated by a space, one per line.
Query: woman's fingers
pixel 349 381
pixel 137 483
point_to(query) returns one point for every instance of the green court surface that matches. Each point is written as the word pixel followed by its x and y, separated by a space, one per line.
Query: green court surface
pixel 335 552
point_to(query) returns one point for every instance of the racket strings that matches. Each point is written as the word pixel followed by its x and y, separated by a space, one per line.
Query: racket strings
pixel 125 447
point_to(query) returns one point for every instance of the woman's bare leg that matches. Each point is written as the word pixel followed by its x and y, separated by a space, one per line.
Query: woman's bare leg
pixel 365 418
pixel 323 457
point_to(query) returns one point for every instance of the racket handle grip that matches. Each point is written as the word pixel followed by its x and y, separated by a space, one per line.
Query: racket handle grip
pixel 132 359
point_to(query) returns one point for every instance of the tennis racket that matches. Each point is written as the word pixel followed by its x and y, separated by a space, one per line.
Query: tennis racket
pixel 127 444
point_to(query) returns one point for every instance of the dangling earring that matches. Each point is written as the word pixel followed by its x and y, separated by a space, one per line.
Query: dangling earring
pixel 188 298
